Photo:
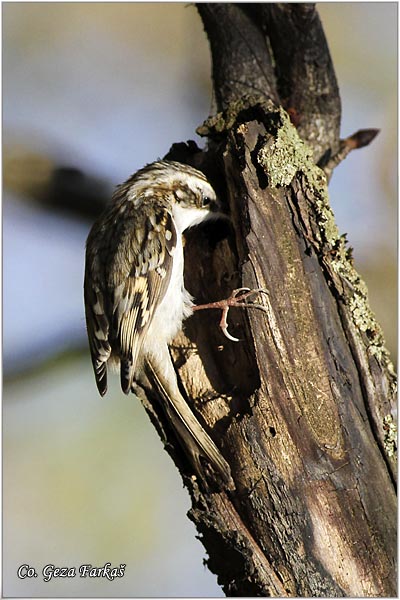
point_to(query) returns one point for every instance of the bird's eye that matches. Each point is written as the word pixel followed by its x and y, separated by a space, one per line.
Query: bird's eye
pixel 206 201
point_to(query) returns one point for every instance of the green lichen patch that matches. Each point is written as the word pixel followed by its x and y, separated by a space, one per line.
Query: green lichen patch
pixel 356 297
pixel 390 439
pixel 286 156
pixel 225 120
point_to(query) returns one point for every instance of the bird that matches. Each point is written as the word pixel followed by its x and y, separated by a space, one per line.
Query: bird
pixel 134 292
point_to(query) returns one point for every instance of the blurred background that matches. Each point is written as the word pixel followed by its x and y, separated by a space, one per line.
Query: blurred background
pixel 91 92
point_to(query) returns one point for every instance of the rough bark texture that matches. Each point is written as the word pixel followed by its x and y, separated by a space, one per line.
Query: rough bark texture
pixel 301 407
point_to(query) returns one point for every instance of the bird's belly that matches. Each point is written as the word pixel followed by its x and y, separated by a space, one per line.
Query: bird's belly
pixel 174 308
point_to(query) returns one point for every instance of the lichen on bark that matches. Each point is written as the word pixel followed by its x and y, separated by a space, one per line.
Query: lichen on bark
pixel 282 158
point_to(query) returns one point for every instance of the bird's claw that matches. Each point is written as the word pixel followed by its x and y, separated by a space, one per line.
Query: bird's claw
pixel 236 299
pixel 224 329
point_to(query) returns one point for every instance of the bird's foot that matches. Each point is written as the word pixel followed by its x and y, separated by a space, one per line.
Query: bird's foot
pixel 236 299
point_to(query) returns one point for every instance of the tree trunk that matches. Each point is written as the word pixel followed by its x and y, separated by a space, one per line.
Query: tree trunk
pixel 302 406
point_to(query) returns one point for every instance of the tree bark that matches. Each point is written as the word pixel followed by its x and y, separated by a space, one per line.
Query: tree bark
pixel 301 408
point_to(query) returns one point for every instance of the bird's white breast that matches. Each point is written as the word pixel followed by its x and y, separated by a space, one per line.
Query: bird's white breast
pixel 185 217
pixel 173 309
pixel 177 303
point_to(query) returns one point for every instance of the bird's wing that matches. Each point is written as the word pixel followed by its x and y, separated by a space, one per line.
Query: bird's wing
pixel 126 277
pixel 97 323
pixel 145 263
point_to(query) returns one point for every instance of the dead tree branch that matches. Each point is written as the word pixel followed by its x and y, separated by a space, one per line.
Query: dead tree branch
pixel 302 407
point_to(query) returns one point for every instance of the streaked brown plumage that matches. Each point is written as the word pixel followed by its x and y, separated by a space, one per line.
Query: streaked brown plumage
pixel 135 300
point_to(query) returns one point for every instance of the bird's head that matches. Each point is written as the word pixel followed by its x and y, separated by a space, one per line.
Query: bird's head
pixel 186 190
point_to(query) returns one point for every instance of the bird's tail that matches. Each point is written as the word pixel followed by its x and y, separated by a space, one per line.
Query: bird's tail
pixel 192 435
